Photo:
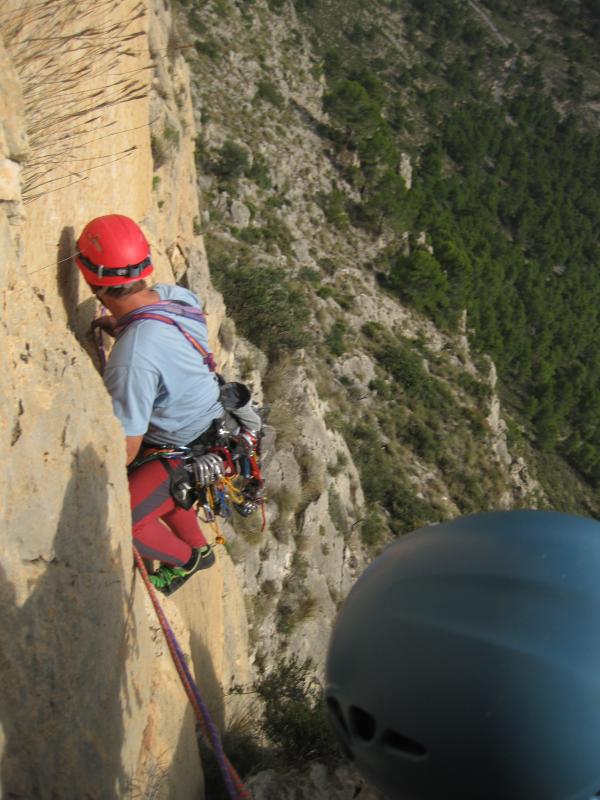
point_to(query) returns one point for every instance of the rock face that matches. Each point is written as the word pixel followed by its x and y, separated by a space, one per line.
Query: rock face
pixel 91 705
pixel 297 571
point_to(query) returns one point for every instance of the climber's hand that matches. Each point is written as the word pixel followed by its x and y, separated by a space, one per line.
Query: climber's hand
pixel 106 324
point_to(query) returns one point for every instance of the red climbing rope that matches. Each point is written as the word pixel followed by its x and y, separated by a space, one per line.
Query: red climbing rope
pixel 235 787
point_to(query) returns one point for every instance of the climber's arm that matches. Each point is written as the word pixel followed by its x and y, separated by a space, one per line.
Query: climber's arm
pixel 133 444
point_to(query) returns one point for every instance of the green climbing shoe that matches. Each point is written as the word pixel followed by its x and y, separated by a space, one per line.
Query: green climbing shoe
pixel 165 575
pixel 201 558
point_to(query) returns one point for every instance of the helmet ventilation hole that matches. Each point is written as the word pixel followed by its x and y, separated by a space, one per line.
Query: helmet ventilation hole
pixel 336 712
pixel 362 723
pixel 402 745
pixel 339 723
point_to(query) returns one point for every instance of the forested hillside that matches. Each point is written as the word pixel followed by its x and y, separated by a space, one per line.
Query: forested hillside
pixel 494 234
pixel 506 187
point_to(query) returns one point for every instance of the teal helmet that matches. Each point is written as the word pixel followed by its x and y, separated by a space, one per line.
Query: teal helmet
pixel 465 661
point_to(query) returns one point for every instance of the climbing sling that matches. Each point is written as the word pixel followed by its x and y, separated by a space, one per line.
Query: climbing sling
pixel 171 307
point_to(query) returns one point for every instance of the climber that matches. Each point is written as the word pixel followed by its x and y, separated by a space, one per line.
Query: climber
pixel 465 662
pixel 163 391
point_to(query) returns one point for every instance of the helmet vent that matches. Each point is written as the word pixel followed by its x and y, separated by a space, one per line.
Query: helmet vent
pixel 336 712
pixel 339 723
pixel 402 745
pixel 362 723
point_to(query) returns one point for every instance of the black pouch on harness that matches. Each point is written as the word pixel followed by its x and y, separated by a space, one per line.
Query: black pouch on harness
pixel 237 401
pixel 180 486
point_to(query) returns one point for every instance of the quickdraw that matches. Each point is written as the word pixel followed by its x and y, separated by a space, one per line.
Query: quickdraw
pixel 219 479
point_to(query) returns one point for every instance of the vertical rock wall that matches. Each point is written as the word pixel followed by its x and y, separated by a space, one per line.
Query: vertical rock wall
pixel 90 704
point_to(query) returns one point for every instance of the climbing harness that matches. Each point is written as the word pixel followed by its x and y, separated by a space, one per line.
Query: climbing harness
pixel 220 472
pixel 235 787
pixel 219 478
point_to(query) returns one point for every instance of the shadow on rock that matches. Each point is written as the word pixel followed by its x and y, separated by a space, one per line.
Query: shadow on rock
pixel 190 748
pixel 206 677
pixel 185 778
pixel 79 315
pixel 67 276
pixel 63 656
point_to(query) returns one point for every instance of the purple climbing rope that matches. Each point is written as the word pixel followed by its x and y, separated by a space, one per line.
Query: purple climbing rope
pixel 235 787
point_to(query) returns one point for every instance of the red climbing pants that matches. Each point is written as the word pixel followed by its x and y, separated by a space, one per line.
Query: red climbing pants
pixel 162 530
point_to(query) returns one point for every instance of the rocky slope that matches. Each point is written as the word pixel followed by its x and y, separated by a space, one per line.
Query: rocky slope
pixel 258 86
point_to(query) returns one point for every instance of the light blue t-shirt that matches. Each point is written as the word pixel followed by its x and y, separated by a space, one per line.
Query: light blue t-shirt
pixel 159 383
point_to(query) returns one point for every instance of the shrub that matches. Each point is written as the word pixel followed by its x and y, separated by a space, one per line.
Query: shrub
pixel 158 150
pixel 325 292
pixel 196 24
pixel 171 136
pixel 259 172
pixel 268 92
pixel 334 207
pixel 273 232
pixel 335 338
pixel 310 275
pixel 312 476
pixel 424 441
pixel 337 513
pixel 233 161
pixel 292 613
pixel 295 719
pixel 478 389
pixel 406 367
pixel 267 308
pixel 242 741
pixel 208 47
pixel 420 279
pixel 373 528
pixel 328 265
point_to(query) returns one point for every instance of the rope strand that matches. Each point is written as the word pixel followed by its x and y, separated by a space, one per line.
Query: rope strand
pixel 235 787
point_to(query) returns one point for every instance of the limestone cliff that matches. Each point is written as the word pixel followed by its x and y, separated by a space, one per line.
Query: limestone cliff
pixel 90 705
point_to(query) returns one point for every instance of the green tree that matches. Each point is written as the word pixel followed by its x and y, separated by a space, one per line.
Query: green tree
pixel 352 111
pixel 419 279
pixel 385 201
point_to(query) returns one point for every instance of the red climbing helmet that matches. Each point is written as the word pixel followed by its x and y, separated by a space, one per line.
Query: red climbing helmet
pixel 113 251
